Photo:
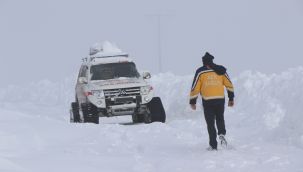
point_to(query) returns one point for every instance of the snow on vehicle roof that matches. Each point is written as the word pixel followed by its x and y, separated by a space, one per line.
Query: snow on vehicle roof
pixel 105 49
pixel 107 53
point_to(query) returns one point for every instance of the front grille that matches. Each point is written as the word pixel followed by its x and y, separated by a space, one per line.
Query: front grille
pixel 122 100
pixel 122 92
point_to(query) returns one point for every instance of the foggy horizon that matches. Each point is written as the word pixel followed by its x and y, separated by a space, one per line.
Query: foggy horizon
pixel 47 40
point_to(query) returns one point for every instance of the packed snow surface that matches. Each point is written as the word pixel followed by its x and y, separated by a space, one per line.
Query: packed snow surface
pixel 264 130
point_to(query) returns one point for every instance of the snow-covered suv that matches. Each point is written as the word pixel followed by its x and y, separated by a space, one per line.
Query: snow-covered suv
pixel 108 85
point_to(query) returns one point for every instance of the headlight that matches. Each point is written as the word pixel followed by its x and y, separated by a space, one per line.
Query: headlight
pixel 146 89
pixel 98 94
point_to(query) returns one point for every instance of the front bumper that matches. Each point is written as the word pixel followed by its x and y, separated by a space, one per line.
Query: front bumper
pixel 113 101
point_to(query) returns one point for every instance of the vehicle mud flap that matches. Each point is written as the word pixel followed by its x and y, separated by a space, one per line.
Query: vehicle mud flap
pixel 75 116
pixel 157 110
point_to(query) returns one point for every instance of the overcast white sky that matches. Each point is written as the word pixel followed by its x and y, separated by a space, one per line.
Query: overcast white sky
pixel 46 39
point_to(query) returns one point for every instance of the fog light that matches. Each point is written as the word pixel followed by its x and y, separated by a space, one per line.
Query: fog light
pixel 99 102
pixel 147 99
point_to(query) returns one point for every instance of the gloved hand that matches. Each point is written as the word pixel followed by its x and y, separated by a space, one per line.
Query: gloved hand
pixel 231 103
pixel 193 106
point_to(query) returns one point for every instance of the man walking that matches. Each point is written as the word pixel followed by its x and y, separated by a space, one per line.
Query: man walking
pixel 209 82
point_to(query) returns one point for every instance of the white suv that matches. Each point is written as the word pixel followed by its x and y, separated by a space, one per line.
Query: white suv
pixel 108 85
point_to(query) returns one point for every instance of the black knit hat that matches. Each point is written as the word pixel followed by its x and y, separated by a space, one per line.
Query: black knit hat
pixel 208 59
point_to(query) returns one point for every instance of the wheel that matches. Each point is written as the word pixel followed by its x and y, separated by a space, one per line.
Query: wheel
pixel 74 113
pixel 90 114
pixel 157 112
pixel 147 118
pixel 137 118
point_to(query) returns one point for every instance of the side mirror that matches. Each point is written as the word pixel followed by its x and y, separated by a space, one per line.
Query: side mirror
pixel 83 80
pixel 146 75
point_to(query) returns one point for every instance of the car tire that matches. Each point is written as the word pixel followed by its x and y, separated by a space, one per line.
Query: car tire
pixel 137 118
pixel 157 111
pixel 90 115
pixel 74 116
pixel 147 118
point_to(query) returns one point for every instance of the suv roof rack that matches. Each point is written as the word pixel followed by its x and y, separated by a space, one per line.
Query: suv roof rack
pixel 92 58
pixel 107 55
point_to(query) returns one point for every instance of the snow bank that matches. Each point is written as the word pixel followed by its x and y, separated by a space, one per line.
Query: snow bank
pixel 267 104
pixel 42 93
pixel 272 104
pixel 174 92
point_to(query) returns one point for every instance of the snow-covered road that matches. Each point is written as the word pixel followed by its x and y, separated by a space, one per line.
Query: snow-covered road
pixel 38 143
pixel 264 131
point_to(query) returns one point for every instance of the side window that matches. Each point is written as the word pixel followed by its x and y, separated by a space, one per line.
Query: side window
pixel 83 71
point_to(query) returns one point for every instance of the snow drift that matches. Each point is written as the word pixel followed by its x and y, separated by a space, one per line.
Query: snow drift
pixel 267 104
pixel 272 104
pixel 264 103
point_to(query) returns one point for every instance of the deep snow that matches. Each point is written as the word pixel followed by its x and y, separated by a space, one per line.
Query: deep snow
pixel 264 130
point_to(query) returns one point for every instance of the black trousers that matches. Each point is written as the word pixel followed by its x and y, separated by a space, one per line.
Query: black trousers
pixel 214 113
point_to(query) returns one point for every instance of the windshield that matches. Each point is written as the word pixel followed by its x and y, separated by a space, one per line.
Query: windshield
pixel 113 70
